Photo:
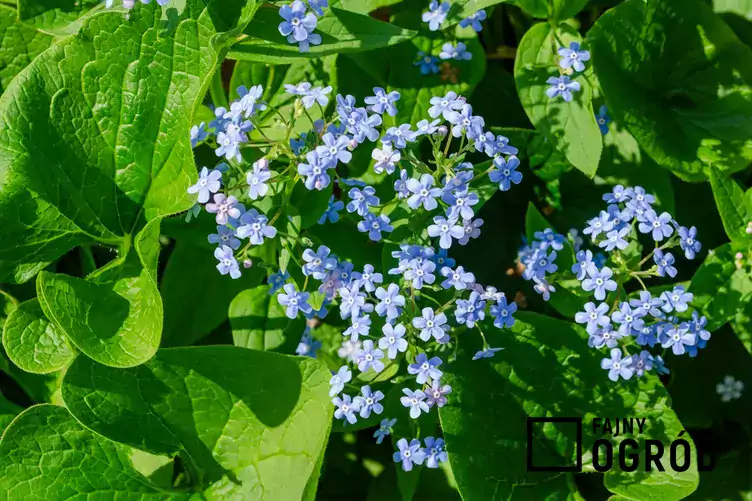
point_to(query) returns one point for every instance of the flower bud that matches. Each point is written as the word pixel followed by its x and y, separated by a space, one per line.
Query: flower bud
pixel 442 131
pixel 247 263
pixel 263 163
pixel 353 144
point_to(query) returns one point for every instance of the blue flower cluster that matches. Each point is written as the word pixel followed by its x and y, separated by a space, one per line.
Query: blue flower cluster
pixel 387 323
pixel 571 59
pixel 435 17
pixel 645 320
pixel 299 24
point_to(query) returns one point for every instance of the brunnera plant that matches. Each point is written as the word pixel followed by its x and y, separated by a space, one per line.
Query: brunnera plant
pixel 278 250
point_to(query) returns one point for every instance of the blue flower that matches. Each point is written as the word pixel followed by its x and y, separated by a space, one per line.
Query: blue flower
pixel 678 338
pixel 368 278
pixel 434 450
pixel 224 208
pixel 619 194
pixel 502 313
pixel 573 57
pixel 257 179
pixel 646 336
pixel 445 230
pixel 225 236
pixel 298 25
pixel 593 316
pixel 459 278
pixel 665 263
pixel 583 261
pixel 335 147
pixel 229 147
pixel 436 14
pixel 369 402
pixel 617 366
pixel 461 204
pixel 562 86
pixel 415 400
pixel 314 171
pixel 601 224
pixel 300 89
pixel 540 264
pixel 487 353
pixel 254 227
pixel 630 320
pixel 390 301
pixel 425 369
pixel 660 226
pixel 198 134
pixel 362 200
pixel 374 225
pixel 423 192
pixel 615 239
pixel 442 259
pixel 471 229
pixel 445 105
pixel 399 136
pixel 298 144
pixel 318 263
pixel 464 121
pixel 316 95
pixel 394 340
pixel 697 326
pixel 688 242
pixel 249 104
pixel 428 63
pixel 505 172
pixel 436 394
pixel 318 6
pixel 277 280
pixel 474 20
pixel 351 300
pixel 359 326
pixel 459 52
pixel 660 368
pixel 338 380
pixel 227 262
pixel 369 357
pixel 424 127
pixel 420 273
pixel 382 102
pixel 294 301
pixel 647 304
pixel 599 281
pixel 602 119
pixel 366 127
pixel 549 238
pixel 332 211
pixel 346 409
pixel 386 159
pixel 409 454
pixel 676 300
pixel 471 310
pixel 430 324
pixel 604 336
pixel 384 430
pixel 643 362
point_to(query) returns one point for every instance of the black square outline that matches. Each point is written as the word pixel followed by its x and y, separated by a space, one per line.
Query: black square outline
pixel 572 420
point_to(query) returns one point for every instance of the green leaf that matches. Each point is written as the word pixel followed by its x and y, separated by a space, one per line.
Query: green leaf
pixel 341 32
pixel 196 297
pixel 571 127
pixel 534 221
pixel 115 315
pixel 364 6
pixel 679 79
pixel 46 454
pixel 110 123
pixel 38 387
pixel 19 45
pixel 720 287
pixel 33 343
pixel 734 206
pixel 554 9
pixel 259 321
pixel 56 17
pixel 741 7
pixel 248 424
pixel 547 370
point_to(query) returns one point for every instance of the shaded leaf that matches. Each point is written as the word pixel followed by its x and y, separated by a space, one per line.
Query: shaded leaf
pixel 259 322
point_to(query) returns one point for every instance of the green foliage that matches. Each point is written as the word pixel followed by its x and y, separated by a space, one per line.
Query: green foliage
pixel 696 114
pixel 259 322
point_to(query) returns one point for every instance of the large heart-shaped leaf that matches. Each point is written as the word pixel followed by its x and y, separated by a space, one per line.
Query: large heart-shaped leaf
pixel 734 206
pixel 58 17
pixel 547 370
pixel 94 133
pixel 115 315
pixel 46 454
pixel 679 79
pixel 341 32
pixel 19 45
pixel 570 126
pixel 248 424
pixel 33 343
pixel 259 321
